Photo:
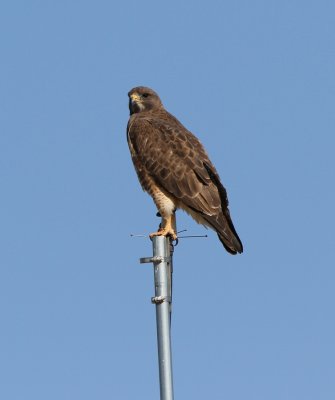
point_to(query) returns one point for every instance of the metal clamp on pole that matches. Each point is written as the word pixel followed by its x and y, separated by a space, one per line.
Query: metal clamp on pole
pixel 160 299
pixel 156 259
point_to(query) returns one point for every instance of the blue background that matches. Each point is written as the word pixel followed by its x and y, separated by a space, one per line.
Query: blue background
pixel 255 82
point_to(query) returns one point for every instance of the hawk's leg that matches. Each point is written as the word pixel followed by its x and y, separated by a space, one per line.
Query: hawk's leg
pixel 166 208
pixel 167 227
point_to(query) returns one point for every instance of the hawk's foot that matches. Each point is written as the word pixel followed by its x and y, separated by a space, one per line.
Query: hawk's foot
pixel 165 232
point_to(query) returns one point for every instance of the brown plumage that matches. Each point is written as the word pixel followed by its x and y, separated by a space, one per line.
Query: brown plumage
pixel 174 168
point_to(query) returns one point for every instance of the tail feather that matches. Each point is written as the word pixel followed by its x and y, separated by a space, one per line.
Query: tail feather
pixel 233 247
pixel 223 226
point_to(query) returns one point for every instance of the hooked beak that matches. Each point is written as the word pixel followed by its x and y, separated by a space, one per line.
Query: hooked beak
pixel 135 103
pixel 135 98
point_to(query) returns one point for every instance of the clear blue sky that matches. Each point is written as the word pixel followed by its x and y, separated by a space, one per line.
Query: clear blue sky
pixel 254 80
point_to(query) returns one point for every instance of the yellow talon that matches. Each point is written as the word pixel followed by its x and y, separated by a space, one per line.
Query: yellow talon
pixel 165 232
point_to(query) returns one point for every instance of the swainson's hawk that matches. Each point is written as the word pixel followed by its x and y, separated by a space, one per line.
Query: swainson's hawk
pixel 174 168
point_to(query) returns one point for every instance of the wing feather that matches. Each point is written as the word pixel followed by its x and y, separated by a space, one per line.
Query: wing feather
pixel 175 159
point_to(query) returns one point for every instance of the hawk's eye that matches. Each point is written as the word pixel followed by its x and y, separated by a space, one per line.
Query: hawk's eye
pixel 145 95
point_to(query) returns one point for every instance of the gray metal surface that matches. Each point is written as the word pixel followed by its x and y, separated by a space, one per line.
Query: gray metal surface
pixel 162 260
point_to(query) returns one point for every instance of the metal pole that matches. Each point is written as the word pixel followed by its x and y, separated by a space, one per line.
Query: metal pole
pixel 162 299
pixel 162 260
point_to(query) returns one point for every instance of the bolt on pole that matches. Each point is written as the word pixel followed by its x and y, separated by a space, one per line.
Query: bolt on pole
pixel 162 260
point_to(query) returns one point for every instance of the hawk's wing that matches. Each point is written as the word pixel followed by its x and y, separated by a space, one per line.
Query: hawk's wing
pixel 178 163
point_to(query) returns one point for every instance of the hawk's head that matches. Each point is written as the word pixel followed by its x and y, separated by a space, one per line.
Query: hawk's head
pixel 143 99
